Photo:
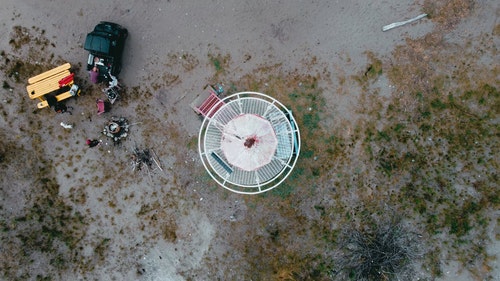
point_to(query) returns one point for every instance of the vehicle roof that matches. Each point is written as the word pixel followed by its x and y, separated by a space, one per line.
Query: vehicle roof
pixel 98 43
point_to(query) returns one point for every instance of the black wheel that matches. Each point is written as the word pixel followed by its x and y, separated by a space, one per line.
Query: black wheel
pixel 117 69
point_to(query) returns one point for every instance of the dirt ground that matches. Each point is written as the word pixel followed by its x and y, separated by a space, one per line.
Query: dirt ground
pixel 405 119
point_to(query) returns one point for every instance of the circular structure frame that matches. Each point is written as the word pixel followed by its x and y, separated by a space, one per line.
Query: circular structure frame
pixel 213 130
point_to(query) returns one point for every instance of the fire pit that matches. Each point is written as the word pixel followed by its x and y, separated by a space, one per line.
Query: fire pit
pixel 116 129
pixel 113 128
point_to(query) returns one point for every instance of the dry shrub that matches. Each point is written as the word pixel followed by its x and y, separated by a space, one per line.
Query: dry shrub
pixel 447 14
pixel 385 250
pixel 412 68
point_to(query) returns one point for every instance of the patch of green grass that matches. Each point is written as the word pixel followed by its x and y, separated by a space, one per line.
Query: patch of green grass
pixel 288 186
pixel 311 121
pixel 375 68
pixel 320 209
pixel 59 262
pixel 438 104
pixel 217 64
pixel 283 191
pixel 433 262
pixel 294 96
pixel 43 278
pixel 459 219
pixel 307 153
pixel 381 135
pixel 192 143
pixel 220 63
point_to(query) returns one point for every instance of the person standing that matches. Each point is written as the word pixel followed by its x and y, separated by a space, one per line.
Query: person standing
pixel 93 143
pixel 94 75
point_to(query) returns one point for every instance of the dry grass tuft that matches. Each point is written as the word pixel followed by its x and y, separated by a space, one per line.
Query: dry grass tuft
pixel 447 14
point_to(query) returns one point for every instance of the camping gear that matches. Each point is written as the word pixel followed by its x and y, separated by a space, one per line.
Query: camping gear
pixel 102 106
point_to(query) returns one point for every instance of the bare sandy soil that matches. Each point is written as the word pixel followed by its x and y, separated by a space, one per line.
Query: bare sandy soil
pixel 73 213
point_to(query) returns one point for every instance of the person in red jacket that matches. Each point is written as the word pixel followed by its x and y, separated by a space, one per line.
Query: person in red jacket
pixel 93 143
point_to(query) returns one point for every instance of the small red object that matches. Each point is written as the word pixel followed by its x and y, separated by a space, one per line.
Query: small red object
pixel 66 80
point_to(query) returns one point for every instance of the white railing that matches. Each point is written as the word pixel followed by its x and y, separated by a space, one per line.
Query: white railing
pixel 263 178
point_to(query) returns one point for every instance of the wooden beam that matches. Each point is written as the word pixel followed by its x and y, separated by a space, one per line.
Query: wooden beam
pixel 49 73
pixel 46 86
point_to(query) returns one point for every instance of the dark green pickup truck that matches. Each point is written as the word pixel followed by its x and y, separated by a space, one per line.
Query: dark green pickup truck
pixel 105 45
